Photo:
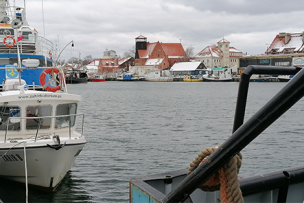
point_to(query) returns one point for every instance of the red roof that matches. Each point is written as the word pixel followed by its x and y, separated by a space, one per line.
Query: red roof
pixel 223 41
pixel 173 49
pixel 295 42
pixel 170 49
pixel 141 37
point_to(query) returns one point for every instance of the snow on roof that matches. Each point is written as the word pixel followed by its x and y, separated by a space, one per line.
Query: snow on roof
pixel 146 53
pixel 295 42
pixel 152 62
pixel 123 60
pixel 90 67
pixel 185 66
pixel 209 51
pixel 223 41
pixel 232 49
pixel 94 63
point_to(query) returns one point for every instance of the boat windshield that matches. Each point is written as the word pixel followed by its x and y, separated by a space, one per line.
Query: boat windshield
pixel 12 112
pixel 38 111
pixel 65 110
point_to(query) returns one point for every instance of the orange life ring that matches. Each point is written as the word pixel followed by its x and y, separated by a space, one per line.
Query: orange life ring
pixel 9 44
pixel 42 79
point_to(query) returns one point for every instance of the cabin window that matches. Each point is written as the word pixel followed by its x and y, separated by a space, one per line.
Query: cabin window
pixel 27 36
pixel 35 120
pixel 6 32
pixel 64 110
pixel 9 118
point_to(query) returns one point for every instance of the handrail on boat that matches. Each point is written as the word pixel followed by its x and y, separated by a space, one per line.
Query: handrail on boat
pixel 244 133
pixel 244 85
pixel 44 117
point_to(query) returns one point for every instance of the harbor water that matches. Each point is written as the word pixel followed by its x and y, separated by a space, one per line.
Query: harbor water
pixel 136 129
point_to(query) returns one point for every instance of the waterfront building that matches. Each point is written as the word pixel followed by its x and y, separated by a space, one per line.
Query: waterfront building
pixel 287 49
pixel 220 55
pixel 110 64
pixel 156 55
pixel 287 43
pixel 182 69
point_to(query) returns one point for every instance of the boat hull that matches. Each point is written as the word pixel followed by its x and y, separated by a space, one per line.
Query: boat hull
pixel 269 187
pixel 193 80
pixel 46 167
pixel 97 80
pixel 217 80
pixel 72 80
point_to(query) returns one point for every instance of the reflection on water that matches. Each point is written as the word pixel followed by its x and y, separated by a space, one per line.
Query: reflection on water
pixel 141 128
pixel 70 190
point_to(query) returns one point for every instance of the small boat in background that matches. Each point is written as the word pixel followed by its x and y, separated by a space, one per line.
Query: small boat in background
pixel 285 78
pixel 190 78
pixel 76 77
pixel 97 78
pixel 218 75
pixel 129 77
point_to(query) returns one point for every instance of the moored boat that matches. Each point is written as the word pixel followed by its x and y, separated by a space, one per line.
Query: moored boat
pixel 190 78
pixel 129 77
pixel 218 75
pixel 97 78
pixel 284 185
pixel 284 78
pixel 38 138
pixel 76 77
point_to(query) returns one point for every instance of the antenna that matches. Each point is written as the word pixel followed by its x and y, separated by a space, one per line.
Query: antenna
pixel 43 19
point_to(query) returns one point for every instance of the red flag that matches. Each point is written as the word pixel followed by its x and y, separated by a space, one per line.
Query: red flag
pixel 20 38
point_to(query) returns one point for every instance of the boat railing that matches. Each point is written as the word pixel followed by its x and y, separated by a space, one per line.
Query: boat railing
pixel 13 124
pixel 44 47
pixel 31 45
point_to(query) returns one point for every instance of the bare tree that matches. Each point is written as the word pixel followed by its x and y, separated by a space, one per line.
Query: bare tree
pixel 190 51
pixel 88 59
pixel 73 60
pixel 130 53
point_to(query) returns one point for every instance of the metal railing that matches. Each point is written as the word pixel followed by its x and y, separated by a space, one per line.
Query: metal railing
pixel 34 45
pixel 17 124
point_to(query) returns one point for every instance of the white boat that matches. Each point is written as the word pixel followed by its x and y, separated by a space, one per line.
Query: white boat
pixel 284 78
pixel 38 117
pixel 218 75
pixel 129 77
pixel 159 76
pixel 213 174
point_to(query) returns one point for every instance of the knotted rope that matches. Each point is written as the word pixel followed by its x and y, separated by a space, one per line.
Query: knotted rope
pixel 225 179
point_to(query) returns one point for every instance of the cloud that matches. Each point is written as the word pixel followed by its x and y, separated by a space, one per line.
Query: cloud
pixel 98 25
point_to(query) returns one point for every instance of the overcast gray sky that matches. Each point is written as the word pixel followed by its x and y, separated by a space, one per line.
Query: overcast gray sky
pixel 97 25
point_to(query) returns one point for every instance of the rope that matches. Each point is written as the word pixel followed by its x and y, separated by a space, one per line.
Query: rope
pixel 225 179
pixel 25 168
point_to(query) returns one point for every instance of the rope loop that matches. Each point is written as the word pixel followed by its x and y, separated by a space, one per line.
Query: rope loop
pixel 225 179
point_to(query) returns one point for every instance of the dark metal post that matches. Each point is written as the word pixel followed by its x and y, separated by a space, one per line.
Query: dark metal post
pixel 244 85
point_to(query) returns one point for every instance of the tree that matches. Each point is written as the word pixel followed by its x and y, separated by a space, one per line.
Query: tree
pixel 73 60
pixel 189 51
pixel 88 59
pixel 130 53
